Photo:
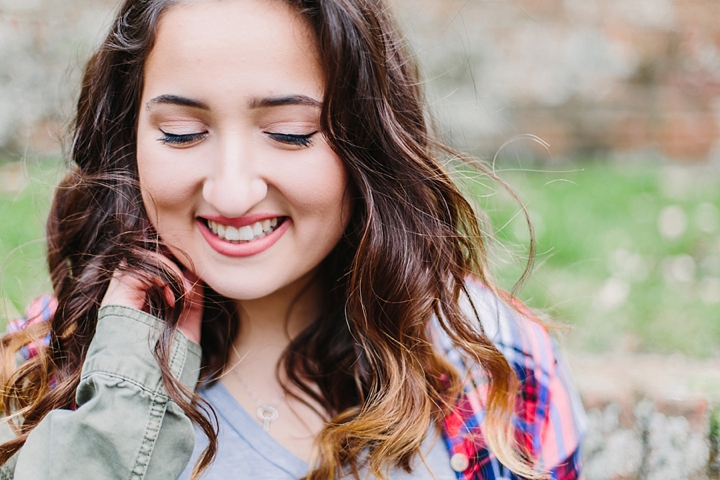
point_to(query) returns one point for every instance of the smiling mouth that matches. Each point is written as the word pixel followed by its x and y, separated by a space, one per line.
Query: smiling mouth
pixel 246 234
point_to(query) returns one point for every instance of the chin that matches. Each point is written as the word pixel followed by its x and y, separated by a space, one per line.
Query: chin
pixel 239 292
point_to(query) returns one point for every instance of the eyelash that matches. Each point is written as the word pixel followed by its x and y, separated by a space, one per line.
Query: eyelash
pixel 287 138
pixel 173 139
pixel 292 139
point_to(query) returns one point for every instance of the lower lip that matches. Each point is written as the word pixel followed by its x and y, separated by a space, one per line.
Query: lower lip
pixel 246 249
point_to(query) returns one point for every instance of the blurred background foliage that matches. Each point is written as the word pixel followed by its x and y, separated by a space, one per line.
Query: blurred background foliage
pixel 624 199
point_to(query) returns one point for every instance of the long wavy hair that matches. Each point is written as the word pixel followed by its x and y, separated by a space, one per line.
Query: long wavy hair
pixel 412 241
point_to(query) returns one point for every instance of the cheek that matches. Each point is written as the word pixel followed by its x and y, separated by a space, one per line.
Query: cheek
pixel 166 186
pixel 166 189
pixel 321 190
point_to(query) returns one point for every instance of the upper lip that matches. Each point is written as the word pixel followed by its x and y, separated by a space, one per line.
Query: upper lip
pixel 241 221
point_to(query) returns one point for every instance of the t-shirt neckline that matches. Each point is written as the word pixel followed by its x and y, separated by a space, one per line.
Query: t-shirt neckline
pixel 246 426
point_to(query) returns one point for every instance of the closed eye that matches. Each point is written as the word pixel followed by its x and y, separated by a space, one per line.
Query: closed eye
pixel 292 139
pixel 180 139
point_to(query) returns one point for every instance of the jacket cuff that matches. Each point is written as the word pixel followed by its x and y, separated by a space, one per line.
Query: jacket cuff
pixel 123 347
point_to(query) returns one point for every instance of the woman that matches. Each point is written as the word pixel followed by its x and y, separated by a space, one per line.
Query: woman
pixel 258 238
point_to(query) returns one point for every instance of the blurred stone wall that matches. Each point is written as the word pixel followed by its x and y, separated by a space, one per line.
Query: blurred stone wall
pixel 43 44
pixel 621 78
pixel 627 78
pixel 650 417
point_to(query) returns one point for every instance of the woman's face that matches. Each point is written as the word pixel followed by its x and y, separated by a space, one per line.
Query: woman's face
pixel 234 172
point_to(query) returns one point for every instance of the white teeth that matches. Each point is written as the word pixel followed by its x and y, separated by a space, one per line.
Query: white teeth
pixel 231 233
pixel 246 233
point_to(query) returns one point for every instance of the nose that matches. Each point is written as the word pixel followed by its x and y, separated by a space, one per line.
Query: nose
pixel 234 184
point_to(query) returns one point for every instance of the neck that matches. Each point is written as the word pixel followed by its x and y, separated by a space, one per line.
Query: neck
pixel 270 323
pixel 267 326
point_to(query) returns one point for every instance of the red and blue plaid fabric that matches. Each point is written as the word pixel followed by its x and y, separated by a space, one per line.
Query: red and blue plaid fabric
pixel 39 310
pixel 549 420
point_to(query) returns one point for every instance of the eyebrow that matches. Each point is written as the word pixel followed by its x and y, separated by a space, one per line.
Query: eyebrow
pixel 282 101
pixel 178 100
pixel 255 103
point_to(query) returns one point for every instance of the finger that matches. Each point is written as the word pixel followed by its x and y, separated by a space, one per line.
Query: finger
pixel 191 319
pixel 169 295
pixel 130 290
pixel 193 296
pixel 126 290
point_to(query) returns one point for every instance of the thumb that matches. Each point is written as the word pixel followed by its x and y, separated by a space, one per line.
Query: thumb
pixel 191 318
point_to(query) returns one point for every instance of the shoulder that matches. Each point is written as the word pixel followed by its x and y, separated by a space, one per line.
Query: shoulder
pixel 513 329
pixel 549 419
pixel 516 332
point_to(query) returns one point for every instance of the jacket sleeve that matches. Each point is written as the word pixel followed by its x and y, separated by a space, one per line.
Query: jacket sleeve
pixel 125 426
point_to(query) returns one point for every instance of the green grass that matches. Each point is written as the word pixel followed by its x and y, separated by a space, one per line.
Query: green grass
pixel 603 263
pixel 603 266
pixel 25 193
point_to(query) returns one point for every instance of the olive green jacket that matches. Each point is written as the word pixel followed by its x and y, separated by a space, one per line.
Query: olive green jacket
pixel 125 426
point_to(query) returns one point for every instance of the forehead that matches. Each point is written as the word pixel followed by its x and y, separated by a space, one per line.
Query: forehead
pixel 231 44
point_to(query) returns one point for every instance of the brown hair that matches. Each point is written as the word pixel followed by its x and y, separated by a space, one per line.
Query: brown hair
pixel 412 241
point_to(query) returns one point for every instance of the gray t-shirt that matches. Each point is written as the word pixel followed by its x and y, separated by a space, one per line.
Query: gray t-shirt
pixel 247 452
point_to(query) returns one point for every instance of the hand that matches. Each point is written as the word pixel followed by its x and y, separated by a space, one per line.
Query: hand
pixel 128 290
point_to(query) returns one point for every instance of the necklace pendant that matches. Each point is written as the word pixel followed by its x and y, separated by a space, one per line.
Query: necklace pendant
pixel 267 414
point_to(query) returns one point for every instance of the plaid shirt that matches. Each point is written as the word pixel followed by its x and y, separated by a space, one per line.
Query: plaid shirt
pixel 548 420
